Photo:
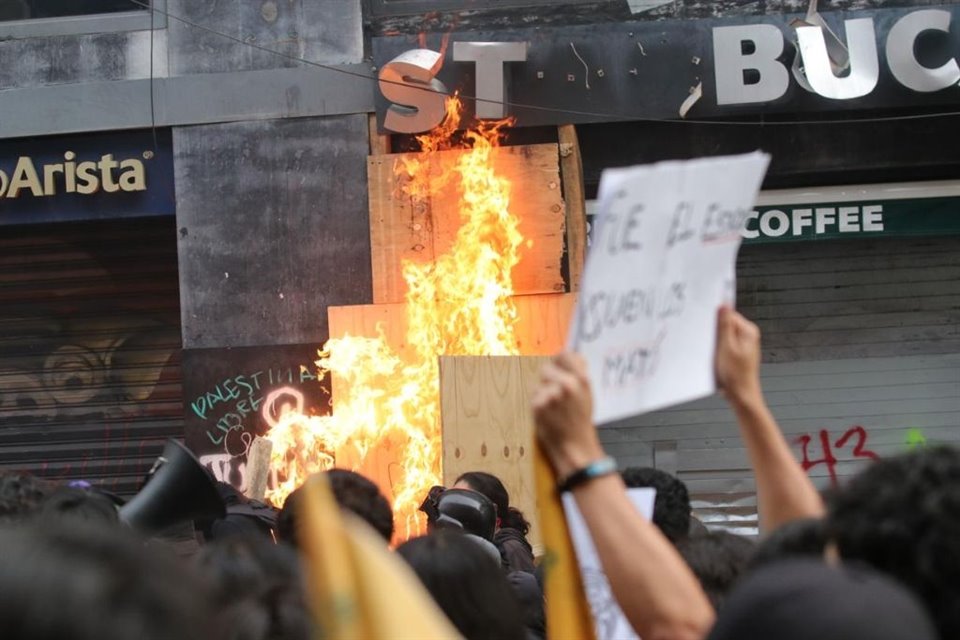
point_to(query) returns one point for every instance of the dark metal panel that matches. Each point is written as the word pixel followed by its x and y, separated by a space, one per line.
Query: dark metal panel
pixel 802 154
pixel 641 70
pixel 89 349
pixel 273 228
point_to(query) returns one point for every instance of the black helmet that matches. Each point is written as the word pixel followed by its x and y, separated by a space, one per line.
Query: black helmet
pixel 467 510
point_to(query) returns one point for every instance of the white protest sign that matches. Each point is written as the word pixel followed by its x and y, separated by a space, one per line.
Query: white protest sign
pixel 662 261
pixel 608 618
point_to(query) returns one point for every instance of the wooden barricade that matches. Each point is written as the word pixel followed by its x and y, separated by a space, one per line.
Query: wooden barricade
pixel 485 416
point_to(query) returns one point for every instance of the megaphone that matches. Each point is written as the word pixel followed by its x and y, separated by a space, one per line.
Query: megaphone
pixel 180 489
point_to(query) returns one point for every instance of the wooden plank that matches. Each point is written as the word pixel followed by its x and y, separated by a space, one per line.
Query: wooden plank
pixel 571 168
pixel 379 142
pixel 487 423
pixel 403 228
pixel 541 327
pixel 258 468
pixel 399 230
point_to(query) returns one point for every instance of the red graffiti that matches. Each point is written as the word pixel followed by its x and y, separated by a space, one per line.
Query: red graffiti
pixel 828 447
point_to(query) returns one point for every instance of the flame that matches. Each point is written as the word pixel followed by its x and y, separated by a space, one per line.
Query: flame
pixel 458 304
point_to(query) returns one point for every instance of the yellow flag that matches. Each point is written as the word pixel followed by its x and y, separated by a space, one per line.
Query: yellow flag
pixel 568 613
pixel 358 588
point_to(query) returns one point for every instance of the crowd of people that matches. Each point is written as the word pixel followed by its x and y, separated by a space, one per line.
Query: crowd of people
pixel 877 559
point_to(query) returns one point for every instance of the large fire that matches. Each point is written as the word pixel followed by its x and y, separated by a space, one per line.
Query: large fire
pixel 458 304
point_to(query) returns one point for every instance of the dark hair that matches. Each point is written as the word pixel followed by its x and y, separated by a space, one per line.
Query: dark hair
pixel 805 537
pixel 353 492
pixel 490 486
pixel 717 558
pixel 467 585
pixel 901 515
pixel 78 505
pixel 258 589
pixel 801 599
pixel 671 507
pixel 20 494
pixel 73 580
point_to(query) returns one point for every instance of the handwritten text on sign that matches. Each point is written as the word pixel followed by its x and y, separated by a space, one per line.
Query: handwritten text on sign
pixel 662 262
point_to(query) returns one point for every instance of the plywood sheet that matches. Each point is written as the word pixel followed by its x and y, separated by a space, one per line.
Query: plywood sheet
pixel 541 327
pixel 487 423
pixel 403 228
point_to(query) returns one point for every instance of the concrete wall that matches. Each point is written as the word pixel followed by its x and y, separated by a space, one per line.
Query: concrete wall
pixel 273 228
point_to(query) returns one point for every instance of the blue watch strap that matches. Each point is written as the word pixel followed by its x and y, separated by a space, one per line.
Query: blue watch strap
pixel 596 469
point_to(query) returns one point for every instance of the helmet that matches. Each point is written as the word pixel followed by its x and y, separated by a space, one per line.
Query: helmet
pixel 467 510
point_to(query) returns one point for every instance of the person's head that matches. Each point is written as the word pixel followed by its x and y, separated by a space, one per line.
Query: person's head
pixel 801 538
pixel 671 507
pixel 470 511
pixel 717 558
pixel 352 492
pixel 258 589
pixel 20 494
pixel 467 585
pixel 806 599
pixel 901 515
pixel 489 485
pixel 78 505
pixel 73 580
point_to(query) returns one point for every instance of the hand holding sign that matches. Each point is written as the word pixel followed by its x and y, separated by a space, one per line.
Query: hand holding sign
pixel 662 262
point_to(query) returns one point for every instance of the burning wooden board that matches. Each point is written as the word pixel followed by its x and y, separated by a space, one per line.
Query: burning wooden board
pixel 541 330
pixel 404 227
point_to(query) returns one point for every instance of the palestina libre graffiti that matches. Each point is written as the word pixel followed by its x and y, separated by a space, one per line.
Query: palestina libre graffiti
pixel 70 176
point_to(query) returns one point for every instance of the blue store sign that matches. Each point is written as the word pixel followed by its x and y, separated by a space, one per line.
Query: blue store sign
pixel 114 175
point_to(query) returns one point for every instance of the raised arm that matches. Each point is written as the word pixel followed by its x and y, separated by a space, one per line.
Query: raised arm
pixel 784 492
pixel 657 592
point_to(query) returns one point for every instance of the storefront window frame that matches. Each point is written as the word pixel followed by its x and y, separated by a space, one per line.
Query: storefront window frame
pixel 136 20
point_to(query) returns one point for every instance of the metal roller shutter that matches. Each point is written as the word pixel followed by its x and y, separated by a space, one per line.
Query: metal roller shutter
pixel 89 349
pixel 861 346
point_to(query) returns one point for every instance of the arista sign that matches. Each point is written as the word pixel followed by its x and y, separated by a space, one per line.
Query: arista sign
pixel 859 60
pixel 69 175
pixel 121 174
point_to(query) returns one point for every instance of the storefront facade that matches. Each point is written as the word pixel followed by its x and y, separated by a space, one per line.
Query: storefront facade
pixel 123 324
pixel 849 263
pixel 90 364
pixel 268 131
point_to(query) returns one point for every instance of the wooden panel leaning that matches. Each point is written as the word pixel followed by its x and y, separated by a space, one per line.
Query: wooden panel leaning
pixel 404 228
pixel 488 426
pixel 571 166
